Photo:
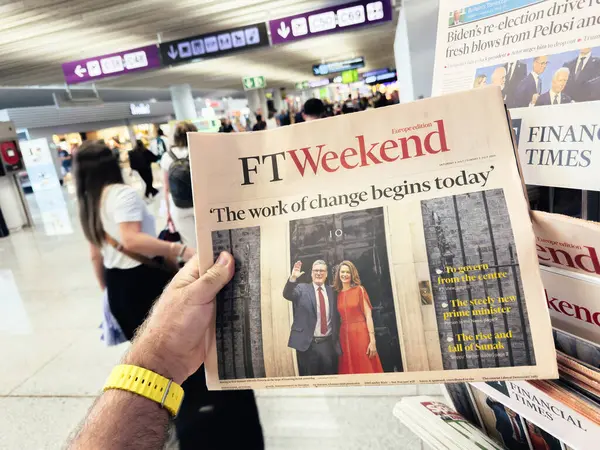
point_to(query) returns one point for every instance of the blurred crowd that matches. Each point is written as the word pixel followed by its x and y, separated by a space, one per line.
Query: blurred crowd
pixel 313 108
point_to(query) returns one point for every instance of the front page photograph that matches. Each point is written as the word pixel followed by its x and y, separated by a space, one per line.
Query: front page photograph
pixel 389 246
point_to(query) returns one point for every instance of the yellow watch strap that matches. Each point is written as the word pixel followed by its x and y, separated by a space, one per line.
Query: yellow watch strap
pixel 147 384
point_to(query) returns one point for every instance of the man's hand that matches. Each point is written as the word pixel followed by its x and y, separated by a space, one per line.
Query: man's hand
pixel 296 271
pixel 172 340
pixel 534 98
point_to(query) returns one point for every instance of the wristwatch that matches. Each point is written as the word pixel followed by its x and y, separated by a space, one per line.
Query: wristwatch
pixel 148 384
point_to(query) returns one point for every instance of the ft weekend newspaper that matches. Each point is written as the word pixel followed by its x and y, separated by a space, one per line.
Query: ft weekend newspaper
pixel 383 247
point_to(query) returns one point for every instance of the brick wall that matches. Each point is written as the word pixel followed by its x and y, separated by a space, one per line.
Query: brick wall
pixel 239 331
pixel 442 218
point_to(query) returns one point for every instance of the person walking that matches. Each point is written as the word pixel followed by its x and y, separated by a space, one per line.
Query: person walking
pixel 140 160
pixel 178 184
pixel 159 145
pixel 128 262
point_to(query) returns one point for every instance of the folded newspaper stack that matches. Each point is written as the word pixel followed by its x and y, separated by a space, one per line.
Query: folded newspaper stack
pixel 389 246
pixel 515 428
pixel 440 427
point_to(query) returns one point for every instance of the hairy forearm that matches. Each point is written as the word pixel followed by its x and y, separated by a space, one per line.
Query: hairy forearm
pixel 123 420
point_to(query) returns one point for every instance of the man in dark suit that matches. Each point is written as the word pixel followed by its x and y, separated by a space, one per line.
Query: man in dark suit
pixel 530 88
pixel 556 95
pixel 516 71
pixel 509 425
pixel 315 331
pixel 583 69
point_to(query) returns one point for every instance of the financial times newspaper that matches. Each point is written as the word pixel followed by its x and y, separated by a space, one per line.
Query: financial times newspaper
pixel 545 56
pixel 384 247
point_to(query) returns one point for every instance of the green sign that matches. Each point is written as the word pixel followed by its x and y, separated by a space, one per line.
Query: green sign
pixel 254 83
pixel 324 93
pixel 302 85
pixel 350 76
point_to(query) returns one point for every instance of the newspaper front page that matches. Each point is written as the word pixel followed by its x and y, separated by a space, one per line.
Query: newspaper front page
pixel 545 56
pixel 383 247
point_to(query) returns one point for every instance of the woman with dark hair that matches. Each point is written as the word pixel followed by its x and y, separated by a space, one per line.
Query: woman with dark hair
pixel 141 159
pixel 178 197
pixel 120 229
pixel 357 331
pixel 121 233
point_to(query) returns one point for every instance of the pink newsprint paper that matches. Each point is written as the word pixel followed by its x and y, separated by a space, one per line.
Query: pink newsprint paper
pixel 384 247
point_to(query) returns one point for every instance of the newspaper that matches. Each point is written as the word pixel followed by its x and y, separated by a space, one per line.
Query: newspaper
pixel 384 247
pixel 440 426
pixel 573 302
pixel 555 408
pixel 545 56
pixel 567 242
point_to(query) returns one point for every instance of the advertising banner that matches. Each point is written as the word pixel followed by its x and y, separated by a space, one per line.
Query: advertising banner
pixel 46 186
pixel 332 19
pixel 389 247
pixel 111 65
pixel 545 56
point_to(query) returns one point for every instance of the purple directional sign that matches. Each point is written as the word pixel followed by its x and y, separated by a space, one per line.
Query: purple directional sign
pixel 114 64
pixel 333 19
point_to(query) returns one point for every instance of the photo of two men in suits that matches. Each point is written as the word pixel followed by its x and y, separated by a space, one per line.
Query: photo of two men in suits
pixel 567 77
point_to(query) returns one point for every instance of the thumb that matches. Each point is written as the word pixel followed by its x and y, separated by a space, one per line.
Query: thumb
pixel 209 284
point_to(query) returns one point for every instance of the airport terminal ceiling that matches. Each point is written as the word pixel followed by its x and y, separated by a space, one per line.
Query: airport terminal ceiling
pixel 51 32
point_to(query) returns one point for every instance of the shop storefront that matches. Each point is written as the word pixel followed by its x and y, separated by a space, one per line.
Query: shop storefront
pixel 118 124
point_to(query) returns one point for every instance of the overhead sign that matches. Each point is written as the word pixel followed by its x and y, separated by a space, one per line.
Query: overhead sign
pixel 333 19
pixel 339 66
pixel 140 109
pixel 114 64
pixel 350 76
pixel 250 83
pixel 213 45
pixel 302 85
pixel 380 76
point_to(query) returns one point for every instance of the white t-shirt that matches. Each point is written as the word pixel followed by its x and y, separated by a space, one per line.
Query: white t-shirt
pixel 166 160
pixel 121 203
pixel 271 123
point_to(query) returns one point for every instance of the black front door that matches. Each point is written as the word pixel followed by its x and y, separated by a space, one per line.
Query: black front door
pixel 358 236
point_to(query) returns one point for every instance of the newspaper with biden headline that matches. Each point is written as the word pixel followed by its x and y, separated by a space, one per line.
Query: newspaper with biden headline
pixel 545 56
pixel 383 247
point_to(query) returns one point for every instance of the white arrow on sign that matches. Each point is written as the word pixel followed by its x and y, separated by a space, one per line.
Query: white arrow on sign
pixel 79 71
pixel 283 30
pixel 248 83
pixel 172 52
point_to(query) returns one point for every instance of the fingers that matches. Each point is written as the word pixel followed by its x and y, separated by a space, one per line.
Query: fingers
pixel 187 275
pixel 204 289
pixel 301 273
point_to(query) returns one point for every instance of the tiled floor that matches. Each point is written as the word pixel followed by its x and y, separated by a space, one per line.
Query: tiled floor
pixel 52 362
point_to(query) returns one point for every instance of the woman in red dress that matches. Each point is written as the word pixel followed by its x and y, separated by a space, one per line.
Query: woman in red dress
pixel 357 332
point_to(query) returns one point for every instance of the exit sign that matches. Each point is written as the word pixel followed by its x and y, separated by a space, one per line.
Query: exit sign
pixel 350 76
pixel 250 83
